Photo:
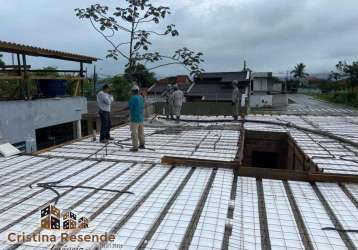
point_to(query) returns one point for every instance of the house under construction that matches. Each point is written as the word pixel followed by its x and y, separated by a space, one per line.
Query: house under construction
pixel 265 182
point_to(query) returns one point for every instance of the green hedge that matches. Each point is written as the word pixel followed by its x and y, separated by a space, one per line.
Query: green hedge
pixel 350 99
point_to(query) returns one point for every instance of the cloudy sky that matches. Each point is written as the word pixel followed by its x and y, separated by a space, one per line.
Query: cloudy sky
pixel 271 35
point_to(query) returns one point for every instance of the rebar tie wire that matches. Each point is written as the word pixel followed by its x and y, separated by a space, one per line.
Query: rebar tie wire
pixel 340 230
pixel 53 185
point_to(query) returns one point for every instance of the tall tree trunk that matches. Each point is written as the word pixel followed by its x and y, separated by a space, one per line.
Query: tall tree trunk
pixel 131 62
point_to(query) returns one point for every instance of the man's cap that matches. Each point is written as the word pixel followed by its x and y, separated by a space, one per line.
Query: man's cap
pixel 236 82
pixel 106 86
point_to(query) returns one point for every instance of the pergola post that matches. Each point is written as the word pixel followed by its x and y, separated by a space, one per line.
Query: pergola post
pixel 21 82
pixel 26 82
pixel 81 75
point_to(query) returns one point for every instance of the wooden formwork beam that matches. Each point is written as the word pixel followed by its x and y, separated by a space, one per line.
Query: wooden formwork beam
pixel 170 160
pixel 10 77
pixel 295 175
pixel 261 173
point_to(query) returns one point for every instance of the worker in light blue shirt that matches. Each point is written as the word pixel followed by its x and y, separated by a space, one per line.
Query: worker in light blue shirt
pixel 136 108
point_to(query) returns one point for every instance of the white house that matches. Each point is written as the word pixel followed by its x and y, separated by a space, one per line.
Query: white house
pixel 266 91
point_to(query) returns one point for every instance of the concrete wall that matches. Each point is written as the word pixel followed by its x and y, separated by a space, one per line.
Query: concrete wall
pixel 308 91
pixel 200 108
pixel 20 119
pixel 279 100
pixel 260 84
pixel 277 87
pixel 260 101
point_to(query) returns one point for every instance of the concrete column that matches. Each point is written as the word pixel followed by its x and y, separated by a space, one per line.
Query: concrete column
pixel 79 129
pixel 89 126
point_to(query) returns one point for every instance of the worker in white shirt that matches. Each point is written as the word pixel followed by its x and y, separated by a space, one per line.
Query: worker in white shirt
pixel 169 101
pixel 178 99
pixel 236 100
pixel 104 102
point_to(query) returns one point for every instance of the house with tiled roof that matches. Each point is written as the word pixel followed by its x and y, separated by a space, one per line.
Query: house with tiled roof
pixel 159 88
pixel 217 86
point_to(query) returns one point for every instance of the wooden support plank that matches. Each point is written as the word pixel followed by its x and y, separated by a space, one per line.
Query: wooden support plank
pixel 170 160
pixel 264 173
pixel 317 177
pixel 9 77
pixel 264 230
pixel 26 81
pixel 277 174
pixel 295 175
pixel 49 77
pixel 21 82
pixel 82 79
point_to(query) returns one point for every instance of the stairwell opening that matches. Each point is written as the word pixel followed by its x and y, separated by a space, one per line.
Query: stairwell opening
pixel 272 150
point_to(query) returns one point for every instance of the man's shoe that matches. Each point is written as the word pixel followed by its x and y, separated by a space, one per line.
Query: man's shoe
pixel 134 150
pixel 111 138
pixel 103 141
pixel 142 147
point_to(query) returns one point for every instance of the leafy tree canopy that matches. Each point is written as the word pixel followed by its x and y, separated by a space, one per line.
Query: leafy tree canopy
pixel 2 63
pixel 129 30
pixel 348 72
pixel 141 74
pixel 299 71
pixel 121 87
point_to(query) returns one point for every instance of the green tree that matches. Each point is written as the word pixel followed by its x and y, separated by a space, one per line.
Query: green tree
pixel 9 89
pixel 2 63
pixel 349 72
pixel 127 31
pixel 299 73
pixel 141 74
pixel 121 87
pixel 49 71
pixel 292 85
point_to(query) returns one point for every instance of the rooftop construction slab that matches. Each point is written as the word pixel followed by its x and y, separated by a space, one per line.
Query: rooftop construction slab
pixel 185 207
pixel 300 104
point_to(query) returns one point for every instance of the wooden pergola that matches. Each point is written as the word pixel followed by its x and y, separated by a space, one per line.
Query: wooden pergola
pixel 22 71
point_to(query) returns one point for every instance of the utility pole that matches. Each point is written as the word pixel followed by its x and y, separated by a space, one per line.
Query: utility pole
pixel 94 80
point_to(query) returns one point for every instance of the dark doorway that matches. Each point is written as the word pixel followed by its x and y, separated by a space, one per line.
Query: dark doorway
pixel 54 135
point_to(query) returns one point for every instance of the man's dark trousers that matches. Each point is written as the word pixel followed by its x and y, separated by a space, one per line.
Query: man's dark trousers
pixel 105 125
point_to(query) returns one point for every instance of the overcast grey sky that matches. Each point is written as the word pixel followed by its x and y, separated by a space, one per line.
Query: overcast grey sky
pixel 272 35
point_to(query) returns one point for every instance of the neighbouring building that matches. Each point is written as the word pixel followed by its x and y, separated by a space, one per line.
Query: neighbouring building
pixel 159 89
pixel 51 116
pixel 217 86
pixel 266 91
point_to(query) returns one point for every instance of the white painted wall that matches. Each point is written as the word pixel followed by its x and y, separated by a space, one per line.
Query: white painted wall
pixel 20 119
pixel 260 101
pixel 260 84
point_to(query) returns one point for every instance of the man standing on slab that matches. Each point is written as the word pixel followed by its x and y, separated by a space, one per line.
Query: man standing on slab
pixel 178 99
pixel 136 108
pixel 104 102
pixel 236 99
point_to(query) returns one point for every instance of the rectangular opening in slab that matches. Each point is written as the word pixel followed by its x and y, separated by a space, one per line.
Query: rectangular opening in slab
pixel 265 159
pixel 54 135
pixel 274 150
